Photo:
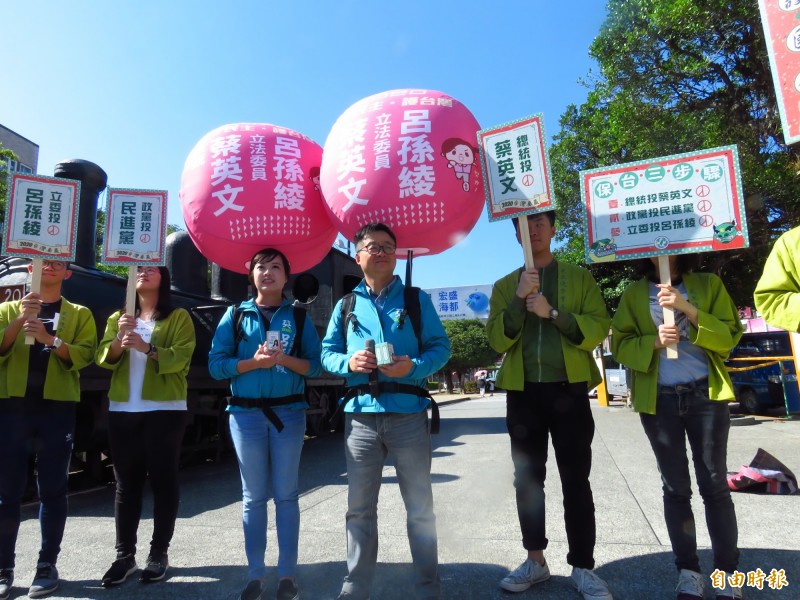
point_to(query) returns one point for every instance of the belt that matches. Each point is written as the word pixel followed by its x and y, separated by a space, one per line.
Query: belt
pixel 390 387
pixel 266 404
pixel 678 388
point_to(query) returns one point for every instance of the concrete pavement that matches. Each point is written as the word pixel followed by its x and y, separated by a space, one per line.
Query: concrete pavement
pixel 479 538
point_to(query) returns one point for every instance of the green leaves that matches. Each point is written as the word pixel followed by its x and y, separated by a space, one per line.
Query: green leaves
pixel 678 76
pixel 469 344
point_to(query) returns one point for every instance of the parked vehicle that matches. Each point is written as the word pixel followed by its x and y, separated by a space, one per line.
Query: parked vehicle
pixel 759 388
pixel 616 377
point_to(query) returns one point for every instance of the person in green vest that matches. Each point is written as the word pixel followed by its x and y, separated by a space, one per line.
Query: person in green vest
pixel 777 295
pixel 548 320
pixel 39 390
pixel 685 398
pixel 149 353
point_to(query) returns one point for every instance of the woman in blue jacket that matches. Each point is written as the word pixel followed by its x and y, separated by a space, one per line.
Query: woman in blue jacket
pixel 267 412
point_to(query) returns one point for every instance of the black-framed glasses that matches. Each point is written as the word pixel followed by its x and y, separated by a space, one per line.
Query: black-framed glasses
pixel 56 265
pixel 375 249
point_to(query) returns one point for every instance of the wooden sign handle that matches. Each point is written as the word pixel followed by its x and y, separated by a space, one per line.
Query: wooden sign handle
pixel 525 240
pixel 669 313
pixel 130 295
pixel 36 287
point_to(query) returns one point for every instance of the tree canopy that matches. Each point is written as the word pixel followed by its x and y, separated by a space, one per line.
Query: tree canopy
pixel 679 76
pixel 469 344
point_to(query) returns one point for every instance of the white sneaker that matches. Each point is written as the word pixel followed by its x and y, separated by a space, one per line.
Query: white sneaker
pixel 590 585
pixel 524 576
pixel 728 592
pixel 690 585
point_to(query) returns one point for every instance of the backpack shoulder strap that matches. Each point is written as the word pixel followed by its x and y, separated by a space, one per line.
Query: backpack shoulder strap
pixel 299 325
pixel 236 323
pixel 414 311
pixel 346 309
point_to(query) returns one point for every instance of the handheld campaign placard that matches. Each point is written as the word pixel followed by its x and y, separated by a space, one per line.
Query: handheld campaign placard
pixel 676 204
pixel 516 173
pixel 781 20
pixel 41 217
pixel 41 221
pixel 136 226
pixel 669 205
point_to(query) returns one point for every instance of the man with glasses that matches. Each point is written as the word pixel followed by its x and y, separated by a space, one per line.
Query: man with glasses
pixel 548 320
pixel 385 411
pixel 39 390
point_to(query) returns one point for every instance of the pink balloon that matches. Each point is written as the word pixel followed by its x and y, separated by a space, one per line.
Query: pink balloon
pixel 248 186
pixel 409 159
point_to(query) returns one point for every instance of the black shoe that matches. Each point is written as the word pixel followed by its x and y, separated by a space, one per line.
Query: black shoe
pixel 287 590
pixel 45 581
pixel 6 581
pixel 252 591
pixel 120 570
pixel 156 568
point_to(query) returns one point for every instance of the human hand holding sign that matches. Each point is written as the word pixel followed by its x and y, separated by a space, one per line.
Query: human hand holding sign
pixel 528 283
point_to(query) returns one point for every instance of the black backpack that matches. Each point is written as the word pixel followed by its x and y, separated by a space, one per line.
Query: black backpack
pixel 412 310
pixel 299 324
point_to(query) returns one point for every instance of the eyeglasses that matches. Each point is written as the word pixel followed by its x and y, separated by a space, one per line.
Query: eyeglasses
pixel 147 270
pixel 56 265
pixel 375 249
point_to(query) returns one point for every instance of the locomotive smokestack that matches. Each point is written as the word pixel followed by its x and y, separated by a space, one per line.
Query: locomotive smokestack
pixel 188 268
pixel 93 181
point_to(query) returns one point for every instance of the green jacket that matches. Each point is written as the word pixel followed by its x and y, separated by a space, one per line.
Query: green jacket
pixel 634 334
pixel 578 295
pixel 165 378
pixel 76 327
pixel 777 294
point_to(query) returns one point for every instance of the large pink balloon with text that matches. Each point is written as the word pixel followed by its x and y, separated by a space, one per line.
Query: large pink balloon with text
pixel 406 158
pixel 249 186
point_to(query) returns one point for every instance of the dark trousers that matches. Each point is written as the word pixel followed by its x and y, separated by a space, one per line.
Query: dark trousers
pixel 50 438
pixel 560 411
pixel 682 412
pixel 142 444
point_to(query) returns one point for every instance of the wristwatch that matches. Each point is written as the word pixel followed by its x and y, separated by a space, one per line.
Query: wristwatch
pixel 57 342
pixel 553 314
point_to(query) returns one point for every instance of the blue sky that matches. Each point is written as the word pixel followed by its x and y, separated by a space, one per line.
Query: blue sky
pixel 132 86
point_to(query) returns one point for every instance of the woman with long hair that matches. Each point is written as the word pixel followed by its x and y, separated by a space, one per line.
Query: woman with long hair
pixel 685 397
pixel 149 353
pixel 259 347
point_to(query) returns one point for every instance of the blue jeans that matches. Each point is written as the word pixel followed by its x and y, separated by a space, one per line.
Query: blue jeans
pixel 369 438
pixel 685 411
pixel 50 438
pixel 267 459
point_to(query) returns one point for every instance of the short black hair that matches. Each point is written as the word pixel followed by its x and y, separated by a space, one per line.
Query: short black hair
pixel 550 214
pixel 264 255
pixel 372 228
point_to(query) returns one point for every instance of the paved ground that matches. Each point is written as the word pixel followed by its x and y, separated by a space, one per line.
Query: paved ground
pixel 478 530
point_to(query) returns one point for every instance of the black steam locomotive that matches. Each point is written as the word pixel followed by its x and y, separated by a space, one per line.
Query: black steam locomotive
pixel 317 290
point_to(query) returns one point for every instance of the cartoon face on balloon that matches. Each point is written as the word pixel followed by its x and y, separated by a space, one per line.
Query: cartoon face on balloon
pixel 404 158
pixel 249 186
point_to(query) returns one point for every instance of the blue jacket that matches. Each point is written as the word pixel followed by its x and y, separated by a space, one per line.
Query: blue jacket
pixel 338 347
pixel 262 383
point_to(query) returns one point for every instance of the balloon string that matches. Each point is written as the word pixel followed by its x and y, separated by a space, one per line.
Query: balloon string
pixel 409 261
